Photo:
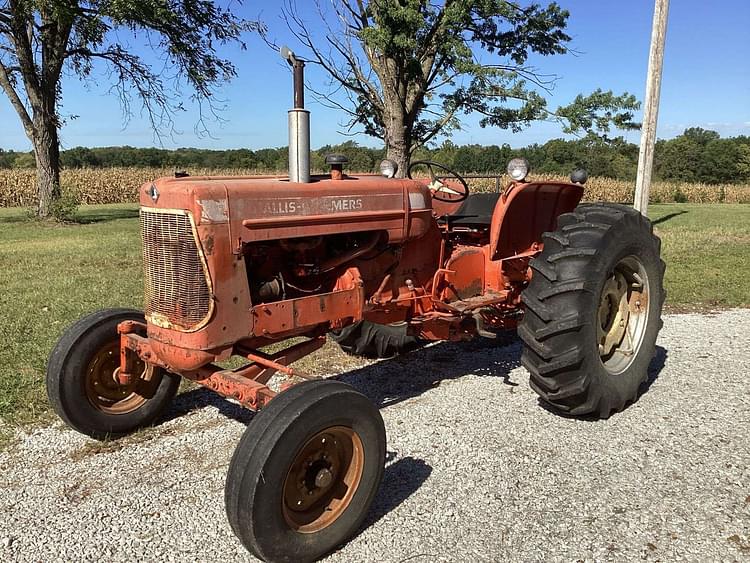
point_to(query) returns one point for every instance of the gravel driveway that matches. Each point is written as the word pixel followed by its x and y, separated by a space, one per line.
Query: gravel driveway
pixel 477 470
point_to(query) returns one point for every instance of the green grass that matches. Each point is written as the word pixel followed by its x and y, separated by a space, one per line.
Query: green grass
pixel 51 275
pixel 707 251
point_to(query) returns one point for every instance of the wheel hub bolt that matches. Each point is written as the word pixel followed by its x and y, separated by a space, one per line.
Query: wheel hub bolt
pixel 323 478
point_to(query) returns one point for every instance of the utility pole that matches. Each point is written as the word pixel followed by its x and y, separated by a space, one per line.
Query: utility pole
pixel 651 106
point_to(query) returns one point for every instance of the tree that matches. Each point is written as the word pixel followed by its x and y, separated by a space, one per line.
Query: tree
pixel 720 161
pixel 79 157
pixel 700 135
pixel 678 159
pixel 743 164
pixel 39 39
pixel 411 67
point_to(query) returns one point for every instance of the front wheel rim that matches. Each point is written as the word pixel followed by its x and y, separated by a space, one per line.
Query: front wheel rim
pixel 622 315
pixel 103 390
pixel 322 479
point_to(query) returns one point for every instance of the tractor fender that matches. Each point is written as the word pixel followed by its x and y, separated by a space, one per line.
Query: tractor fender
pixel 525 211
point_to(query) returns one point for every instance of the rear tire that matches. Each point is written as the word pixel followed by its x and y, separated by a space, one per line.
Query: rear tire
pixel 371 340
pixel 593 310
pixel 306 471
pixel 81 384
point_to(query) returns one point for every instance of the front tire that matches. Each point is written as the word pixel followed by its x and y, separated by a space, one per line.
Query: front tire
pixel 593 310
pixel 82 386
pixel 306 471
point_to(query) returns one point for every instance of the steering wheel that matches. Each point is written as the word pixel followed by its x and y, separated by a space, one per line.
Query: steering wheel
pixel 440 190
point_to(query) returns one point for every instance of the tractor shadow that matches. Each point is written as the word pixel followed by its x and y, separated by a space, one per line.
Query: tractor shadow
pixel 200 398
pixel 401 479
pixel 654 370
pixel 389 382
pixel 392 381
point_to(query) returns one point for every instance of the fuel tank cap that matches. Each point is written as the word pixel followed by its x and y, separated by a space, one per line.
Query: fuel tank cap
pixel 336 159
pixel 336 162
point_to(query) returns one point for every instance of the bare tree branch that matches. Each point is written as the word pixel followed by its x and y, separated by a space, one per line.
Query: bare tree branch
pixel 7 86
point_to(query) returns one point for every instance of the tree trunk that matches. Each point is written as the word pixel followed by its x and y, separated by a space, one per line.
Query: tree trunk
pixel 47 154
pixel 397 141
pixel 399 154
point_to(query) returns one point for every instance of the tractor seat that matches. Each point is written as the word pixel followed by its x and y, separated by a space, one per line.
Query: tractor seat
pixel 475 211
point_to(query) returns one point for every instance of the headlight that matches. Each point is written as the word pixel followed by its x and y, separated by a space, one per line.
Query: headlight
pixel 153 192
pixel 388 168
pixel 518 169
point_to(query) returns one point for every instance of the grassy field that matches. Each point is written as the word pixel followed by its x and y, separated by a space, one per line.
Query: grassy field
pixel 707 251
pixel 52 274
pixel 120 185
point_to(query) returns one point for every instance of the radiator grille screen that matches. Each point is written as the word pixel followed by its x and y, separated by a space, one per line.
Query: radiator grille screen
pixel 177 292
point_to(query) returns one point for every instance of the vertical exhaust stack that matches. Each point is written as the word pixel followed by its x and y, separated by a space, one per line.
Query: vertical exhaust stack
pixel 299 123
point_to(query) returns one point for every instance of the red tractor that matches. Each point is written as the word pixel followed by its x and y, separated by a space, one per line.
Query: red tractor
pixel 379 264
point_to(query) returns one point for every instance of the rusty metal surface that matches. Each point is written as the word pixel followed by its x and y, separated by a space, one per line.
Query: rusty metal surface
pixel 217 205
pixel 246 384
pixel 107 392
pixel 271 207
pixel 292 314
pixel 279 360
pixel 272 365
pixel 336 261
pixel 463 274
pixel 322 479
pixel 177 285
pixel 525 211
pixel 409 270
pixel 247 392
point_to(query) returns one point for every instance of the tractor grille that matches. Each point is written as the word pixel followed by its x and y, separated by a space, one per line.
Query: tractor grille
pixel 177 291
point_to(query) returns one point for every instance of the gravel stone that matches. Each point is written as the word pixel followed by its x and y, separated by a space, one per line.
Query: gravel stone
pixel 477 470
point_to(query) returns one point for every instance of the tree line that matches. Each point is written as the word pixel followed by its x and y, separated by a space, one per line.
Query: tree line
pixel 404 72
pixel 698 155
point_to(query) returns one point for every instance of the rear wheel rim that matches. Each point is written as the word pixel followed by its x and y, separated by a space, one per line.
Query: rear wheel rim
pixel 322 479
pixel 103 390
pixel 622 316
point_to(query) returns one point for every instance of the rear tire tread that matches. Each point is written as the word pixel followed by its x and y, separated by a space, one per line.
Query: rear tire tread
pixel 559 351
pixel 372 340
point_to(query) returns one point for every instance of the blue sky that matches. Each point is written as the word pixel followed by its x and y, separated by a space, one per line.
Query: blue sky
pixel 706 81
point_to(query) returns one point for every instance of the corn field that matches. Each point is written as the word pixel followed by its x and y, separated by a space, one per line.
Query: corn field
pixel 120 185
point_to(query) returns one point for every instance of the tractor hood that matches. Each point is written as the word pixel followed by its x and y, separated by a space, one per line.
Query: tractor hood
pixel 259 208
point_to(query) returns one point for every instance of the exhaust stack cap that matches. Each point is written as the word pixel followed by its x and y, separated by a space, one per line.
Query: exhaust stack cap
pixel 336 162
pixel 287 54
